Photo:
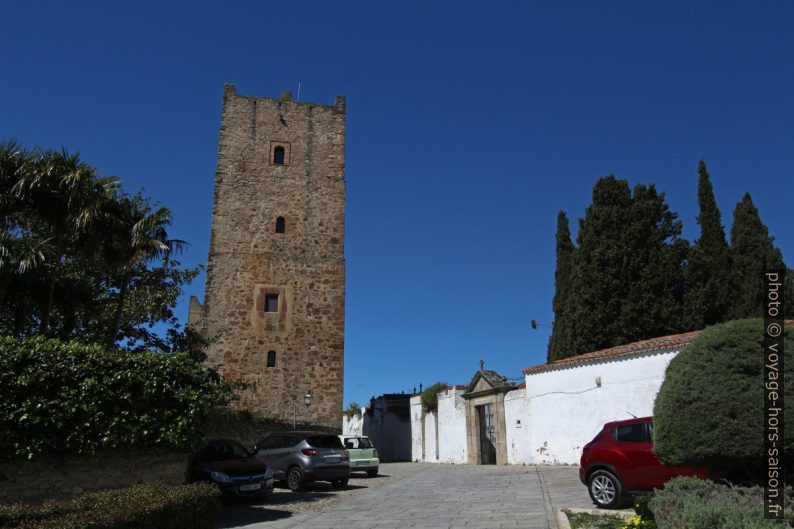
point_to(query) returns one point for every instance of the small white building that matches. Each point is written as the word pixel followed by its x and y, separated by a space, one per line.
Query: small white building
pixel 549 418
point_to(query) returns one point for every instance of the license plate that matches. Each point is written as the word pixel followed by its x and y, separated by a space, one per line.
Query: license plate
pixel 333 459
pixel 253 486
pixel 362 463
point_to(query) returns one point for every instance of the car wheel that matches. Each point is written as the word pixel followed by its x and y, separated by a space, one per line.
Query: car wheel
pixel 605 489
pixel 372 473
pixel 339 483
pixel 295 479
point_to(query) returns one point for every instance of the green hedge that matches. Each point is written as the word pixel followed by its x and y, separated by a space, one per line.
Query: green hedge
pixel 150 506
pixel 691 503
pixel 709 410
pixel 61 398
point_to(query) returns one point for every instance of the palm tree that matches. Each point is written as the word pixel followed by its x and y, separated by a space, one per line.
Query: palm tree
pixel 19 251
pixel 67 196
pixel 19 256
pixel 14 159
pixel 140 235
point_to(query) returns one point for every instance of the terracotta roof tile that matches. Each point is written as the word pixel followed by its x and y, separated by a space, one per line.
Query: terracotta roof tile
pixel 663 343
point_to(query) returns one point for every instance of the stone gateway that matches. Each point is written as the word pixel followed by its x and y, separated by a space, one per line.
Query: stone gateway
pixel 275 292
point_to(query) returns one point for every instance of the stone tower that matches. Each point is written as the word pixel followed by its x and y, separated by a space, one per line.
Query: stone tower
pixel 275 291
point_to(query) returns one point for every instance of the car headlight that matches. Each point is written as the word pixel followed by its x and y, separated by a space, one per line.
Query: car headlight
pixel 220 477
pixel 268 474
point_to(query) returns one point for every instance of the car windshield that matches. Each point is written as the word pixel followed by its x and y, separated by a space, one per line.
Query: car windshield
pixel 223 451
pixel 324 441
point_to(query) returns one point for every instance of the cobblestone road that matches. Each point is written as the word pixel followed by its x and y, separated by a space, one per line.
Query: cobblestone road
pixel 422 495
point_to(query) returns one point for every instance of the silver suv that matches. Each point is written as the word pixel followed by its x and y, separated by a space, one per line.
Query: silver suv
pixel 298 457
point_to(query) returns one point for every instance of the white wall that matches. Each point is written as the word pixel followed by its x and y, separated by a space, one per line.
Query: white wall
pixel 560 410
pixel 430 437
pixel 517 427
pixel 417 438
pixel 452 427
pixel 566 409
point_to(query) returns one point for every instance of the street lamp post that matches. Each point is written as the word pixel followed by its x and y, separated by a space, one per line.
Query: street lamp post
pixel 307 399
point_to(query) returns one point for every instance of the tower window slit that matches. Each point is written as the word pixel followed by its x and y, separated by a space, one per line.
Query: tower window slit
pixel 278 155
pixel 271 302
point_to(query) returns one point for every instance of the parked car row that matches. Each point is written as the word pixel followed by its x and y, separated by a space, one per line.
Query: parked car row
pixel 619 462
pixel 291 457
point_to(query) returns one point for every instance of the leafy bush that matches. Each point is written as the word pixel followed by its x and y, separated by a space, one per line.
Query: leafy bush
pixel 61 398
pixel 709 410
pixel 429 395
pixel 691 503
pixel 150 506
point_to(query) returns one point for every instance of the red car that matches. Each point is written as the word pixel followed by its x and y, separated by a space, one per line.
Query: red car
pixel 619 461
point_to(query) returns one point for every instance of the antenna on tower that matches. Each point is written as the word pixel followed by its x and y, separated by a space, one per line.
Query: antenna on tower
pixel 299 91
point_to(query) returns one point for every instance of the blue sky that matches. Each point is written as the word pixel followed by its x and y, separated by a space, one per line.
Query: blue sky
pixel 470 124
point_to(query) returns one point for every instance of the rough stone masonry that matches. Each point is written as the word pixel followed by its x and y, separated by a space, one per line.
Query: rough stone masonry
pixel 275 293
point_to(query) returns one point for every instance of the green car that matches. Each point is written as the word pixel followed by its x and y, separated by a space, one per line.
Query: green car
pixel 363 456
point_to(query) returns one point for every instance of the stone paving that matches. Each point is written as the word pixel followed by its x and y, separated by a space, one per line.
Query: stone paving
pixel 423 495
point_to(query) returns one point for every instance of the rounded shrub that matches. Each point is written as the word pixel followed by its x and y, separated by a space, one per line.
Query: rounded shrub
pixel 710 409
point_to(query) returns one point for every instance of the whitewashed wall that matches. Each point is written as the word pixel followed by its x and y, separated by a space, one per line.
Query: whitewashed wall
pixel 517 426
pixel 557 413
pixel 430 437
pixel 452 427
pixel 417 430
pixel 565 408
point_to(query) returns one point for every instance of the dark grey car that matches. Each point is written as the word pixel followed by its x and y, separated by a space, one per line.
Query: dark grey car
pixel 298 457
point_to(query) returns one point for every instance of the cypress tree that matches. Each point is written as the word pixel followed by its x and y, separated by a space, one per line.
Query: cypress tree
pixel 654 258
pixel 598 286
pixel 753 252
pixel 626 279
pixel 709 280
pixel 560 340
